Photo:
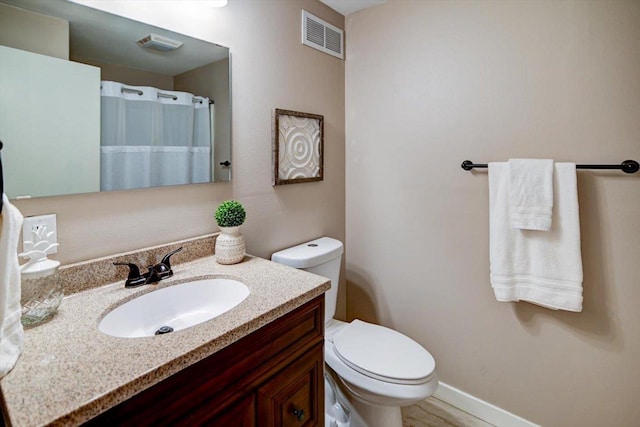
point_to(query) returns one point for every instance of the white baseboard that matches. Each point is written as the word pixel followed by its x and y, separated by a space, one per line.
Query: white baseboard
pixel 479 408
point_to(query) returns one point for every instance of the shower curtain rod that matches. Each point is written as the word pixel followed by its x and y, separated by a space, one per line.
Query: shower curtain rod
pixel 161 95
pixel 628 166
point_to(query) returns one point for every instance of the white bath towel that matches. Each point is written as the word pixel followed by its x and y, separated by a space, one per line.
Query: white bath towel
pixel 531 193
pixel 11 332
pixel 542 267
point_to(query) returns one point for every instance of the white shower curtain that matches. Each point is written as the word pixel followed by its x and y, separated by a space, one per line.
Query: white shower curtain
pixel 152 137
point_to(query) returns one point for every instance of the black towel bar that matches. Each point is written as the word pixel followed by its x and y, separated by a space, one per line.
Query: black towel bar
pixel 628 166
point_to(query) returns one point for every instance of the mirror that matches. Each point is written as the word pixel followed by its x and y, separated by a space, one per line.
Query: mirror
pixel 91 101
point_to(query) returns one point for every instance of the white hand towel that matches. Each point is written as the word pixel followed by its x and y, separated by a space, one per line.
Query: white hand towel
pixel 11 332
pixel 543 268
pixel 531 193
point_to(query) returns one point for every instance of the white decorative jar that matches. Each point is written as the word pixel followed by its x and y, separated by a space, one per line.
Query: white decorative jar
pixel 230 248
pixel 40 282
pixel 41 294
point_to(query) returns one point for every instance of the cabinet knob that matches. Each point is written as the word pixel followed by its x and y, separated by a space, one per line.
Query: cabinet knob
pixel 299 413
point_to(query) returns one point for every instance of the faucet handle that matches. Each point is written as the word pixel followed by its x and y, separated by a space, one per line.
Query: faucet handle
pixel 135 278
pixel 153 275
pixel 166 260
pixel 163 270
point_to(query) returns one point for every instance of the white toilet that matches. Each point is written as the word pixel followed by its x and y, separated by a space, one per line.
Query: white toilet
pixel 376 369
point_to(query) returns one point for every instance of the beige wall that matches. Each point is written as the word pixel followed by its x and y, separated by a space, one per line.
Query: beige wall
pixel 212 81
pixel 129 76
pixel 432 83
pixel 271 68
pixel 24 30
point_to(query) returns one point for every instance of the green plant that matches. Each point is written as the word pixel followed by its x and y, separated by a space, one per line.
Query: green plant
pixel 230 214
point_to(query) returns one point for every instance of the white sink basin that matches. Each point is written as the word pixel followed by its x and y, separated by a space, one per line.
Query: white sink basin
pixel 176 307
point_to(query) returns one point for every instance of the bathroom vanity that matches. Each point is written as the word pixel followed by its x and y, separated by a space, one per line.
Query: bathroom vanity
pixel 259 364
pixel 272 377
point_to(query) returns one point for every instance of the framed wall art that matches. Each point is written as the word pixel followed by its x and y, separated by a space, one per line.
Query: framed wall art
pixel 298 146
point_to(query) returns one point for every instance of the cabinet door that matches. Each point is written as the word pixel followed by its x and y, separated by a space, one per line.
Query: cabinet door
pixel 241 414
pixel 295 396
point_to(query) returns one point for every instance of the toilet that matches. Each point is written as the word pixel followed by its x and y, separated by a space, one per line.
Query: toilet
pixel 370 371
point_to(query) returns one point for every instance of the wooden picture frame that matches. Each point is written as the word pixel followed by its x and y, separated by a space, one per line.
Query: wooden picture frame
pixel 298 147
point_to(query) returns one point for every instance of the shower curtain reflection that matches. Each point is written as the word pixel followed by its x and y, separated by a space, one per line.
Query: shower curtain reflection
pixel 152 137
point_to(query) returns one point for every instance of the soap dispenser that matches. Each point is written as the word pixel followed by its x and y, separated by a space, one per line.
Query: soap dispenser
pixel 40 281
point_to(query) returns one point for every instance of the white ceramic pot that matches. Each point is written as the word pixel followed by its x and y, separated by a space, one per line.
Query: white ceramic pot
pixel 230 248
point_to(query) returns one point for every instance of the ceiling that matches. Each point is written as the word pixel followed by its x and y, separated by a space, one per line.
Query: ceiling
pixel 346 7
pixel 110 38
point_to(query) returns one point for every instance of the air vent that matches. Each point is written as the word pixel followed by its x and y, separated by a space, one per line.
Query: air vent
pixel 321 35
pixel 156 42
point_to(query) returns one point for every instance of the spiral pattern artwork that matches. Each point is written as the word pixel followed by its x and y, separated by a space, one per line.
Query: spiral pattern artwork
pixel 299 151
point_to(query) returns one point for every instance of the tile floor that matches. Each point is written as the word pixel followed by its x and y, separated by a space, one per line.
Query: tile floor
pixel 435 413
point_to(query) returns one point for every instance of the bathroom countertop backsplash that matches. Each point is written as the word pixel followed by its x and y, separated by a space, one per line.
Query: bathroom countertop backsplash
pixel 69 371
pixel 80 276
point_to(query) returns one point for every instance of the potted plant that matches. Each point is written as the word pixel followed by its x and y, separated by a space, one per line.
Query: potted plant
pixel 230 247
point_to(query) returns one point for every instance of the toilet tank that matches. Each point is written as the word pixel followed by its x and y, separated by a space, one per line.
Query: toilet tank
pixel 322 257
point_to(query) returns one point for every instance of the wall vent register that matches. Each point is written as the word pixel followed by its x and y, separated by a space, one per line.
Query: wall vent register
pixel 321 35
pixel 160 43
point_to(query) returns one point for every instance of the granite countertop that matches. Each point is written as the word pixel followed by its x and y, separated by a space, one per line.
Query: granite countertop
pixel 70 372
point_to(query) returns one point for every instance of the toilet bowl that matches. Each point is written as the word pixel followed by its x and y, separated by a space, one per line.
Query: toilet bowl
pixel 379 370
pixel 372 370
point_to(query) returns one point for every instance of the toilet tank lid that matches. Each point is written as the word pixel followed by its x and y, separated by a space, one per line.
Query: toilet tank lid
pixel 309 254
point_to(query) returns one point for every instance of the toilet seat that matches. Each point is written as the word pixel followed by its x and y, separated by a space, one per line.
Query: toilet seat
pixel 383 354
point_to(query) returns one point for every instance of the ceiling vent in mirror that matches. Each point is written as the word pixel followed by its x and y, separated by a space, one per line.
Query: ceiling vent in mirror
pixel 321 35
pixel 156 42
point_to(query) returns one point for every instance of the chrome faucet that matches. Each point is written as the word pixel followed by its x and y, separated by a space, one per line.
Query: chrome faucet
pixel 157 272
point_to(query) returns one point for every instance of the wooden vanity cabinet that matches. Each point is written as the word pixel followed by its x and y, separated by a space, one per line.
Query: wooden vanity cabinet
pixel 272 377
pixel 290 398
